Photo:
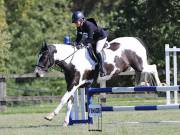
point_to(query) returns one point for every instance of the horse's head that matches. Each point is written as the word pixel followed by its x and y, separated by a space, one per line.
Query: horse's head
pixel 45 59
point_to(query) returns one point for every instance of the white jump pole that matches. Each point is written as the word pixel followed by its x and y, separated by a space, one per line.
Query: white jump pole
pixel 168 71
pixel 83 103
pixel 79 105
pixel 76 105
pixel 168 97
pixel 175 73
pixel 102 84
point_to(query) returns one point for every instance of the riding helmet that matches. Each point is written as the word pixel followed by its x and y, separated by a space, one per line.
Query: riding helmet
pixel 77 16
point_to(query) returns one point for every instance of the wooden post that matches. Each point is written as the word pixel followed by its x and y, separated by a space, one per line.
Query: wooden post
pixel 2 94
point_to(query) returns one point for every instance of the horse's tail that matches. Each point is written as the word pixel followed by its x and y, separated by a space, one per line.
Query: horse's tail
pixel 145 46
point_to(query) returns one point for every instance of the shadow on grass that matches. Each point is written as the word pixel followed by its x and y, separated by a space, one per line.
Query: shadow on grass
pixel 29 126
pixel 143 122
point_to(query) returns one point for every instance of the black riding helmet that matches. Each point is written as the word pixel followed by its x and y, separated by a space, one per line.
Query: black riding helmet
pixel 77 16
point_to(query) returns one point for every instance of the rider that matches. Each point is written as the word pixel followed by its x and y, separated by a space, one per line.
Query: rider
pixel 95 34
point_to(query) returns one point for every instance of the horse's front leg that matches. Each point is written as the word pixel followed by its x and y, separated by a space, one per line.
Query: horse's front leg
pixel 64 100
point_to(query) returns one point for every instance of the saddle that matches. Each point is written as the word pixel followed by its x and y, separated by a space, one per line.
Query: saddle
pixel 91 51
pixel 93 55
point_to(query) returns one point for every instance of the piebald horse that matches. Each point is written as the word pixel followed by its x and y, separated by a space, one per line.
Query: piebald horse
pixel 80 70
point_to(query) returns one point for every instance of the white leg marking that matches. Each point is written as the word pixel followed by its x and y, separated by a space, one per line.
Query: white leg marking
pixel 68 112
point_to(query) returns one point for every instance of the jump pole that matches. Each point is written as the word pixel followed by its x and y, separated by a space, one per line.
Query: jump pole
pixel 92 91
pixel 79 105
pixel 115 90
pixel 140 108
pixel 168 71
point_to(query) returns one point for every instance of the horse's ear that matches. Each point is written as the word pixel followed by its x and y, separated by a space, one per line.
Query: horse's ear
pixel 44 44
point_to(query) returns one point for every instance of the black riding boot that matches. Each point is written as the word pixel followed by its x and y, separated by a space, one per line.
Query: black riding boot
pixel 100 65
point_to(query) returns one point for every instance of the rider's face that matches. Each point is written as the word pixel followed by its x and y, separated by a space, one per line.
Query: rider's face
pixel 78 23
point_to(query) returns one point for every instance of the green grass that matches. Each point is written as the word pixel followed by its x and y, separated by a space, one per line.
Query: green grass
pixel 28 120
pixel 113 124
pixel 46 107
pixel 36 108
pixel 132 101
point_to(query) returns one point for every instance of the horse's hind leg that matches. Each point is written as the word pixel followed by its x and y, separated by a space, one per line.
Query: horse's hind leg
pixel 153 70
pixel 68 111
pixel 137 65
pixel 137 78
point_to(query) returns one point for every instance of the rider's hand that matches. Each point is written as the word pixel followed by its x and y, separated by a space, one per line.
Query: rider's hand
pixel 75 44
pixel 89 45
pixel 78 47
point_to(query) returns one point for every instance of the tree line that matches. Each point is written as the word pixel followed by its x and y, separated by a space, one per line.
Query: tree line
pixel 24 24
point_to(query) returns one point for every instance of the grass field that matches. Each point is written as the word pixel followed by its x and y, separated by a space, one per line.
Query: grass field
pixel 28 120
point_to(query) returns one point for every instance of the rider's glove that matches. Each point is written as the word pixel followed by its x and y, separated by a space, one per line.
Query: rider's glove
pixel 78 46
pixel 75 44
pixel 89 45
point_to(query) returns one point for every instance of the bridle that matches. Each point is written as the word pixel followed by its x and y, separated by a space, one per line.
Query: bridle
pixel 49 59
pixel 52 62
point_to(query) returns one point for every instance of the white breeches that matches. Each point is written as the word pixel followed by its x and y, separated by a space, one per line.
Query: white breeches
pixel 100 44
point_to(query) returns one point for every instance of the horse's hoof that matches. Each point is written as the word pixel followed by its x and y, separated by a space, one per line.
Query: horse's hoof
pixel 50 116
pixel 65 124
pixel 144 84
pixel 163 84
pixel 102 74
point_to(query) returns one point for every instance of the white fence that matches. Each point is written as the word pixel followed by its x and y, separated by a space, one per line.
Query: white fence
pixel 174 50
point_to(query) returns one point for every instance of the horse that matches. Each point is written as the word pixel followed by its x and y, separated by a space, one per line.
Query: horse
pixel 80 70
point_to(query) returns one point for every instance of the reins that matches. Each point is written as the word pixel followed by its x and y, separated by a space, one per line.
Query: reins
pixel 54 62
pixel 70 55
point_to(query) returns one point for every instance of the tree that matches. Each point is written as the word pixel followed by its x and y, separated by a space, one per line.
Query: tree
pixel 154 21
pixel 4 39
pixel 31 22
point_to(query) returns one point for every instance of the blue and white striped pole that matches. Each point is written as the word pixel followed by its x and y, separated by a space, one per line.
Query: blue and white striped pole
pixel 140 108
pixel 89 102
pixel 134 89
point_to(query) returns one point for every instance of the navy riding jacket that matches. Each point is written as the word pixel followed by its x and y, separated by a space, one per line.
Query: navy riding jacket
pixel 94 32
